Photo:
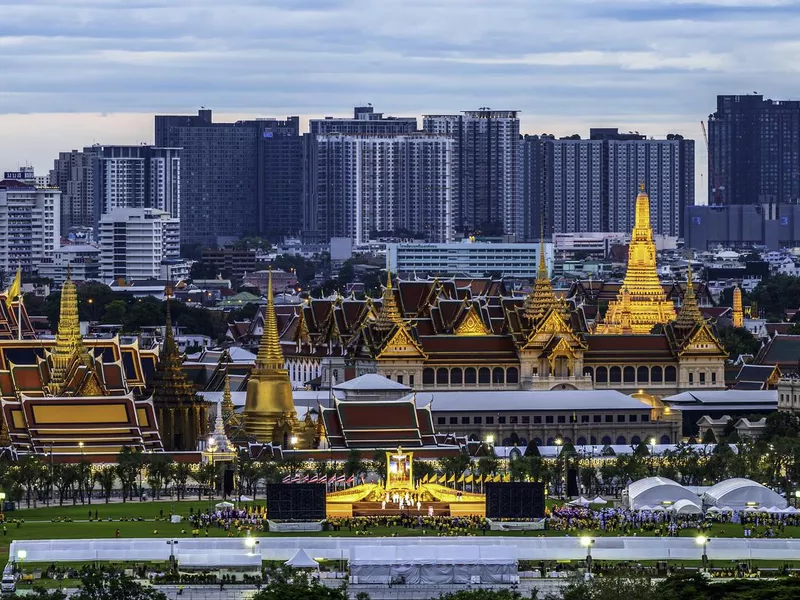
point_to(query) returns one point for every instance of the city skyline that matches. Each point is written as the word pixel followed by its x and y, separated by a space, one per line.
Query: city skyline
pixel 655 68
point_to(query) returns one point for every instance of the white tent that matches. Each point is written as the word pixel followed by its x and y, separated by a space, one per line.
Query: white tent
pixel 223 505
pixel 580 501
pixel 686 507
pixel 655 491
pixel 433 565
pixel 301 560
pixel 599 500
pixel 739 493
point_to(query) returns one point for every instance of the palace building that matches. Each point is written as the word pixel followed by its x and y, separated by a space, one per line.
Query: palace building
pixel 76 396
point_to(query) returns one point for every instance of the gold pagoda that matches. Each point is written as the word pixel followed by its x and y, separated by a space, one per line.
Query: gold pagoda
pixel 647 304
pixel 269 412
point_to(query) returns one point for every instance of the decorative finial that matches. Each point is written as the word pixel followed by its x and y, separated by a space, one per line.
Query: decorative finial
pixel 641 186
pixel 270 356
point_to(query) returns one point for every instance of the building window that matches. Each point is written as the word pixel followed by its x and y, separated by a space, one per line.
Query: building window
pixel 609 418
pixel 656 375
pixel 643 375
pixel 484 375
pixel 713 377
pixel 691 377
pixel 548 419
pixel 629 375
pixel 526 420
pixel 670 374
pixel 427 377
pixel 601 375
pixel 441 421
pixel 597 418
pixel 399 379
pixel 477 420
pixel 411 380
pixel 470 376
pixel 465 420
pixel 615 374
pixel 498 376
pixel 562 419
pixel 442 376
pixel 620 418
pixel 456 376
pixel 513 420
pixel 512 375
pixel 537 420
pixel 702 377
pixel 584 418
pixel 633 418
pixel 645 418
pixel 501 420
pixel 453 420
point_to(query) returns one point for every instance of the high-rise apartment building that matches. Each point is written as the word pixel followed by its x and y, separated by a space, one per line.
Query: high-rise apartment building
pixel 754 150
pixel 100 178
pixel 587 185
pixel 135 241
pixel 365 121
pixel 237 179
pixel 30 224
pixel 487 197
pixel 392 184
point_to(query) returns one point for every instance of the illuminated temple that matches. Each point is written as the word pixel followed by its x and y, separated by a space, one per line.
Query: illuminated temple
pixel 73 396
pixel 641 303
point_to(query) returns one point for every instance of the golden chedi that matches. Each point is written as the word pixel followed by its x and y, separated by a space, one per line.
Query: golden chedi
pixel 647 304
pixel 269 413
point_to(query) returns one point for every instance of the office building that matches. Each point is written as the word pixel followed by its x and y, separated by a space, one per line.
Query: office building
pixel 82 260
pixel 370 185
pixel 743 226
pixel 231 262
pixel 135 241
pixel 473 259
pixel 73 174
pixel 30 222
pixel 754 150
pixel 234 175
pixel 487 197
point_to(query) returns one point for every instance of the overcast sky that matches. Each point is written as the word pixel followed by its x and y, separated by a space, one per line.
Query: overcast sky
pixel 83 71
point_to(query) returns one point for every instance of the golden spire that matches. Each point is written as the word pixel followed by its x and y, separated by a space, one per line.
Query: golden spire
pixel 542 297
pixel 227 399
pixel 390 313
pixel 689 314
pixel 69 342
pixel 738 314
pixel 649 304
pixel 270 356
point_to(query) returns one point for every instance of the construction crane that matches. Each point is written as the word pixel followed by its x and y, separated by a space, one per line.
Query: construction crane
pixel 713 176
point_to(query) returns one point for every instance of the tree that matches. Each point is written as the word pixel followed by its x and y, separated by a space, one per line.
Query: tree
pixel 775 294
pixel 114 313
pixel 181 472
pixel 145 312
pixel 98 585
pixel 85 479
pixel 480 594
pixel 487 465
pixel 129 466
pixel 737 341
pixel 532 449
pixel 202 270
pixel 206 476
pixel 30 471
pixel 286 583
pixel 627 586
pixel 353 466
pixel 158 471
pixel 39 593
pixel 379 466
pixel 64 477
pixel 709 437
pixel 106 477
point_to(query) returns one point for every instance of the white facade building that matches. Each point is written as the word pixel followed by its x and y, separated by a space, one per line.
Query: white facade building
pixel 376 183
pixel 30 224
pixel 135 241
pixel 82 259
pixel 470 258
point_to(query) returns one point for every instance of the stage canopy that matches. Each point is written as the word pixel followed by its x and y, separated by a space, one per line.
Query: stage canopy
pixel 657 491
pixel 433 565
pixel 739 493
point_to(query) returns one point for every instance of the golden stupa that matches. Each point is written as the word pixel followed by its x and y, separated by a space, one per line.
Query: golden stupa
pixel 269 412
pixel 647 303
pixel 737 316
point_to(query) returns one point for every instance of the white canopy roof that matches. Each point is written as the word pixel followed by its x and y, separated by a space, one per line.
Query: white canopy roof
pixel 653 491
pixel 738 492
pixel 686 507
pixel 432 555
pixel 301 560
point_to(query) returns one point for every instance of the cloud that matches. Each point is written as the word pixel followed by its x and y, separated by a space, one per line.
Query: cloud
pixel 654 65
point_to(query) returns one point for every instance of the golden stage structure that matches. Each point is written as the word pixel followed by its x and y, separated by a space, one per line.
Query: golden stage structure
pixel 641 303
pixel 401 495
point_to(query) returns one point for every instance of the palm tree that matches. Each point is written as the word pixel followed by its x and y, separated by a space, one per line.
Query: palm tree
pixel 106 478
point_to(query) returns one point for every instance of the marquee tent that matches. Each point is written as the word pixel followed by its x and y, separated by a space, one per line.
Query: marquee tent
pixel 739 493
pixel 301 560
pixel 653 491
pixel 433 565
pixel 686 507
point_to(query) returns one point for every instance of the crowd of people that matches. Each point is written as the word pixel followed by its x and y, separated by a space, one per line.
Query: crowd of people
pixel 423 525
pixel 233 520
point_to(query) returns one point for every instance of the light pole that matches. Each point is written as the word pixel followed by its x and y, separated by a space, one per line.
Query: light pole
pixel 587 543
pixel 21 556
pixel 702 540
pixel 293 444
pixel 561 477
pixel 489 444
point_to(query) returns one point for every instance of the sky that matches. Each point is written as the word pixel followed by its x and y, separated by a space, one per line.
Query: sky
pixel 96 71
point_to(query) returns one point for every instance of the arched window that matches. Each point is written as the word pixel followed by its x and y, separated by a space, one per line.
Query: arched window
pixel 442 376
pixel 550 441
pixel 629 375
pixel 588 371
pixel 512 375
pixel 670 374
pixel 601 375
pixel 537 441
pixel 636 440
pixel 643 375
pixel 606 440
pixel 470 375
pixel 665 439
pixel 484 375
pixel 615 374
pixel 456 376
pixel 621 440
pixel 498 376
pixel 592 440
pixel 581 441
pixel 474 437
pixel 567 440
pixel 656 374
pixel 427 376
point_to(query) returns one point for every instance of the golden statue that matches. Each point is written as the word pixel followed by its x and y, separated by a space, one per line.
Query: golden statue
pixel 648 304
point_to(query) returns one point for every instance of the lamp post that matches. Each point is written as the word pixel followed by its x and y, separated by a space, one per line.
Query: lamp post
pixel 293 444
pixel 587 543
pixel 558 442
pixel 702 540
pixel 21 556
pixel 796 498
pixel 489 444
pixel 212 447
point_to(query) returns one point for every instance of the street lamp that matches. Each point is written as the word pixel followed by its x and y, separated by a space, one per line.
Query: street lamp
pixel 558 442
pixel 21 556
pixel 702 540
pixel 587 542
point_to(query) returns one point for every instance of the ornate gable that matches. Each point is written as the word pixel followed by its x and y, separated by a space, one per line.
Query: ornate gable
pixel 401 344
pixel 702 341
pixel 471 324
pixel 561 349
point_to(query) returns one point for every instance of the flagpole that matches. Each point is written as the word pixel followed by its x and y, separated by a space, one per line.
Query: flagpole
pixel 19 317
